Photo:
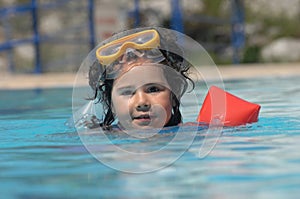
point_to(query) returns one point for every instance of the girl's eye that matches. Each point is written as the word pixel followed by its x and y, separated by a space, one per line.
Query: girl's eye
pixel 126 92
pixel 153 89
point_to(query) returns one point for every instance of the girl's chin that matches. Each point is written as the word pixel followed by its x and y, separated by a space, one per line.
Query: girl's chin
pixel 142 124
pixel 147 124
pixel 134 126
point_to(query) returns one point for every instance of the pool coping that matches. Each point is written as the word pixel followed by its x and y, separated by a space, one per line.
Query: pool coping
pixel 228 72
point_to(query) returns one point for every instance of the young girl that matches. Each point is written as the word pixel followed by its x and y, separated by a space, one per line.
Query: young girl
pixel 140 77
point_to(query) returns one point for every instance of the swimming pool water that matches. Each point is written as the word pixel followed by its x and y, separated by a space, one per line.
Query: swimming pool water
pixel 43 158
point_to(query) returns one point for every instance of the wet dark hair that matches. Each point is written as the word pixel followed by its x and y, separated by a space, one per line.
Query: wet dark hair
pixel 102 86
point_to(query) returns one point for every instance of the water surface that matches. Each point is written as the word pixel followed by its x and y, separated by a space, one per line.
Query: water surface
pixel 42 158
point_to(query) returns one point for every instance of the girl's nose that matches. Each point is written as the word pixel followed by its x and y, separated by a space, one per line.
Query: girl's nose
pixel 141 101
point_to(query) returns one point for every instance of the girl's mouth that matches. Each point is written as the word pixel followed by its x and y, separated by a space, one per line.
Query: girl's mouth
pixel 145 116
pixel 144 119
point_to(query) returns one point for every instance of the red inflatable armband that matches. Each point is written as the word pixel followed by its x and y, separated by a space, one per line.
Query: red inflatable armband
pixel 231 110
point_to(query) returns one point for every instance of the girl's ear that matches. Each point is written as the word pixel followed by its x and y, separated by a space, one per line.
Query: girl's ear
pixel 173 100
pixel 112 108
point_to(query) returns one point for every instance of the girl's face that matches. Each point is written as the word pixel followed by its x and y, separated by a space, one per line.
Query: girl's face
pixel 141 98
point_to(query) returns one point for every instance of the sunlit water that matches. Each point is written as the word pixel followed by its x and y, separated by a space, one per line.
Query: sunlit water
pixel 42 158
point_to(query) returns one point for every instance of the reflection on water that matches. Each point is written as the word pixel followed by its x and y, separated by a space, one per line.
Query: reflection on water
pixel 42 158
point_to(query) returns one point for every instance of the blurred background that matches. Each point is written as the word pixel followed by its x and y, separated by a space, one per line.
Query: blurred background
pixel 40 36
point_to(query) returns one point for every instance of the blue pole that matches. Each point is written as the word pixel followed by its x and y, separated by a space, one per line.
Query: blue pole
pixel 91 24
pixel 137 20
pixel 36 39
pixel 237 28
pixel 176 20
pixel 9 52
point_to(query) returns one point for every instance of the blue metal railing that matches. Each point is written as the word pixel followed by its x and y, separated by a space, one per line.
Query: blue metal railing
pixel 237 28
pixel 236 22
pixel 91 24
pixel 36 38
pixel 176 18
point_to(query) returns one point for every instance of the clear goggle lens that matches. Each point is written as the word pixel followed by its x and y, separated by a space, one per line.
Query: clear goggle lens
pixel 132 57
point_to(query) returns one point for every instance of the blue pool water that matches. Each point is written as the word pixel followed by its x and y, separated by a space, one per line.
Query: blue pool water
pixel 43 158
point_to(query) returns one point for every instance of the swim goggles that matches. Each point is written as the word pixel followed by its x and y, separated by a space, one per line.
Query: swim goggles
pixel 144 40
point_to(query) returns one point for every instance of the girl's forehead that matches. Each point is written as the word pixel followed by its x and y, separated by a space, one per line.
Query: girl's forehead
pixel 127 66
pixel 140 75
